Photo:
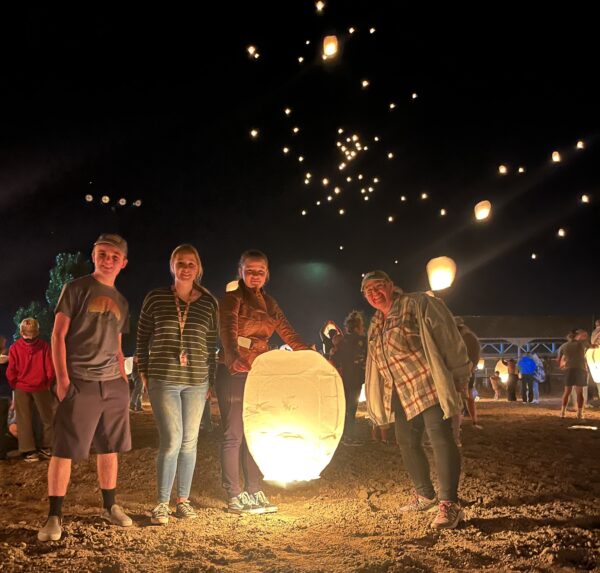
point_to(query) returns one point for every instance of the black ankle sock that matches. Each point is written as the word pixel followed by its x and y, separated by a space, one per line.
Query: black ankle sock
pixel 108 498
pixel 56 502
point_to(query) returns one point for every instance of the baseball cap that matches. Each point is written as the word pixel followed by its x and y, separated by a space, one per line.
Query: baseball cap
pixel 113 240
pixel 374 276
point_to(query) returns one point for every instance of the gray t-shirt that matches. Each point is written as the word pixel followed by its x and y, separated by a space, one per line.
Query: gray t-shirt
pixel 574 354
pixel 99 314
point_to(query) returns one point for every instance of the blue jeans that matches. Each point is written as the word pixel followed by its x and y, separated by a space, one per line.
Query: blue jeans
pixel 177 409
pixel 135 402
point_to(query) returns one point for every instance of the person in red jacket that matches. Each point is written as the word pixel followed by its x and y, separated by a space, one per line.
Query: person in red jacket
pixel 30 374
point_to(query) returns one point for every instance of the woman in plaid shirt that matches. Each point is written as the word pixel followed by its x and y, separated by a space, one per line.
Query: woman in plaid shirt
pixel 417 366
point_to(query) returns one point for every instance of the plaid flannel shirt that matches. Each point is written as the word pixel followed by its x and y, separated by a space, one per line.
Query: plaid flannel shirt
pixel 397 350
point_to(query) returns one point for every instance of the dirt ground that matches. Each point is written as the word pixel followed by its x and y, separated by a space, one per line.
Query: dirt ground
pixel 530 486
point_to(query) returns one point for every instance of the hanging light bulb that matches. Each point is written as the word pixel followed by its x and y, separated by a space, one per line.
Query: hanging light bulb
pixel 483 210
pixel 441 272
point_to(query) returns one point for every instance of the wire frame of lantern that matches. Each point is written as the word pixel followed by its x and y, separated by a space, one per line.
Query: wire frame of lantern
pixel 483 210
pixel 441 272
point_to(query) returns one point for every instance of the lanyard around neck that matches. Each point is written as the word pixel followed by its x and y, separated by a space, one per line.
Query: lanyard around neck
pixel 181 317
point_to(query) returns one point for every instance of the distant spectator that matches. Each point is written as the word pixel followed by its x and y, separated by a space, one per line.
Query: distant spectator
pixel 571 359
pixel 595 338
pixel 511 386
pixel 474 352
pixel 349 355
pixel 539 377
pixel 496 382
pixel 527 367
pixel 30 373
pixel 327 333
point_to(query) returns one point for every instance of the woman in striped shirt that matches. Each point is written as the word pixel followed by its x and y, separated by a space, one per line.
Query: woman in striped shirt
pixel 176 347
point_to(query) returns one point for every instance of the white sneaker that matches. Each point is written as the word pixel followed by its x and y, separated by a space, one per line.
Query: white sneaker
pixel 160 514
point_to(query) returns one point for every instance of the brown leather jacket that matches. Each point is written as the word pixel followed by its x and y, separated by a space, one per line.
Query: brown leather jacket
pixel 249 318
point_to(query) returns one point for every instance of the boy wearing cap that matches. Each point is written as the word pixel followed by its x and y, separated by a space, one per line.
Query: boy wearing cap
pixel 30 374
pixel 417 367
pixel 91 384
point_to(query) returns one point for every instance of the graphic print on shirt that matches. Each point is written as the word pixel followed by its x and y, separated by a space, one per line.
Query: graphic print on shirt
pixel 104 305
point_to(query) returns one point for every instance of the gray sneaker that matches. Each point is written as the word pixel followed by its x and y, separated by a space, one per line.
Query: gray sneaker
pixel 419 503
pixel 262 500
pixel 117 516
pixel 52 530
pixel 244 503
pixel 185 511
pixel 160 514
pixel 449 515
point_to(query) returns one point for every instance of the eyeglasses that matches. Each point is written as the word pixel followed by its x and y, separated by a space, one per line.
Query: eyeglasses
pixel 374 287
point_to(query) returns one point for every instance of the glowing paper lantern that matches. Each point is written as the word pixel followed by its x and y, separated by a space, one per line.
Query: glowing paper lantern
pixel 481 364
pixel 441 272
pixel 580 145
pixel 320 6
pixel 105 199
pixel 293 414
pixel 502 370
pixel 592 355
pixel 330 46
pixel 502 169
pixel 556 157
pixel 89 198
pixel 483 210
pixel 585 198
pixel 561 233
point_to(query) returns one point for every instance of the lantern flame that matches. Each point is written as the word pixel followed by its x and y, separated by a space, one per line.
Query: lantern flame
pixel 330 46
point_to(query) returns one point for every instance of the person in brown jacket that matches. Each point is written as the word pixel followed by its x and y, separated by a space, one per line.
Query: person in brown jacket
pixel 248 318
pixel 474 352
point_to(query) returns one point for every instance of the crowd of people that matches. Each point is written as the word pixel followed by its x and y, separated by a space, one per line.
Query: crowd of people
pixel 417 363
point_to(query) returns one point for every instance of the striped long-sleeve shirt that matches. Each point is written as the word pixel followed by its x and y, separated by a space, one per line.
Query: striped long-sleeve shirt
pixel 158 339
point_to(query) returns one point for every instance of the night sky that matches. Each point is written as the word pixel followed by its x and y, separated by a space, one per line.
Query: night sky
pixel 158 104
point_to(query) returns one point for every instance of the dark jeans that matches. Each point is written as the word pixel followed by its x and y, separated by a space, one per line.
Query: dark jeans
pixel 352 394
pixel 511 388
pixel 230 393
pixel 409 436
pixel 527 387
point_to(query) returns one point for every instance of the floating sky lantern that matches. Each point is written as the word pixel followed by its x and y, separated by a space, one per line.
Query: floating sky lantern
pixel 295 129
pixel 483 210
pixel 342 212
pixel 330 46
pixel 414 96
pixel 320 6
pixel 390 219
pixel 254 133
pixel 442 212
pixel 251 51
pixel 366 197
pixel 300 158
pixel 122 202
pixel 348 178
pixel 502 370
pixel 390 155
pixel 424 196
pixel 561 232
pixel 441 272
pixel 392 105
pixel 318 203
pixel 533 256
pixel 580 145
pixel 105 199
pixel 403 198
pixel 287 111
pixel 592 356
pixel 585 198
pixel 89 198
pixel 396 262
pixel 137 203
pixel 329 198
pixel 341 247
pixel 337 190
pixel 481 364
pixel 502 169
pixel 351 30
pixel 521 170
pixel 286 150
pixel 303 212
pixel 325 182
pixel 556 158
pixel 364 84
pixel 342 166
pixel 300 59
